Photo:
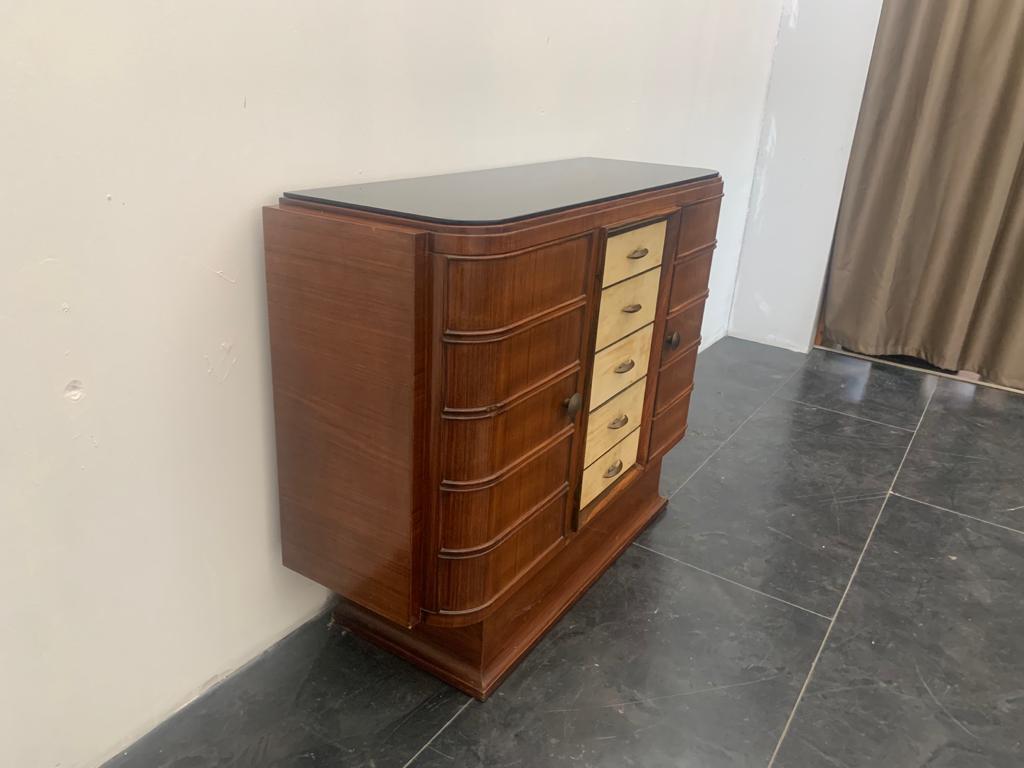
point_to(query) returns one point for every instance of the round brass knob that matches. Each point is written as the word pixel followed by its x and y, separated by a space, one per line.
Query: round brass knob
pixel 573 404
pixel 673 340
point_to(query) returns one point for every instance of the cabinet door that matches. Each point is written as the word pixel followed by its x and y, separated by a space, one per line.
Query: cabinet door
pixel 513 330
pixel 675 349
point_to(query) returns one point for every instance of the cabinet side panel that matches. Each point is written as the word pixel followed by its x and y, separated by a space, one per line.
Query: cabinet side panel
pixel 342 313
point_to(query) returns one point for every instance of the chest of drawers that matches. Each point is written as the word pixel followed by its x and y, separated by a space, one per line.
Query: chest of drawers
pixel 475 378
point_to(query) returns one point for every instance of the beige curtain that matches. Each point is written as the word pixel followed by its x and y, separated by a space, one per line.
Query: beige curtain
pixel 928 257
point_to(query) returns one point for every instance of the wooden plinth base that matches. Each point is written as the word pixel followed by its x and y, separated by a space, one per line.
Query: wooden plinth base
pixel 477 657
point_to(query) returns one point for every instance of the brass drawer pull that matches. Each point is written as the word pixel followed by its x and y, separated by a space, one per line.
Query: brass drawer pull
pixel 673 340
pixel 614 469
pixel 639 253
pixel 630 309
pixel 625 367
pixel 573 404
pixel 618 422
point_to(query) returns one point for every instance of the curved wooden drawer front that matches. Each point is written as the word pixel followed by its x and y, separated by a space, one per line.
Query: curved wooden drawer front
pixel 690 278
pixel 485 375
pixel 675 378
pixel 474 517
pixel 668 428
pixel 627 306
pixel 475 447
pixel 470 584
pixel 613 420
pixel 685 323
pixel 632 252
pixel 486 294
pixel 609 467
pixel 697 225
pixel 618 366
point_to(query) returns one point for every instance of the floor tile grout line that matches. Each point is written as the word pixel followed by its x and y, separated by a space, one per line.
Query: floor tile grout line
pixel 849 584
pixel 440 731
pixel 959 514
pixel 730 581
pixel 732 434
pixel 844 413
pixel 831 620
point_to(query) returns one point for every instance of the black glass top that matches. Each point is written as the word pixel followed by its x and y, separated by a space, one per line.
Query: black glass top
pixel 505 194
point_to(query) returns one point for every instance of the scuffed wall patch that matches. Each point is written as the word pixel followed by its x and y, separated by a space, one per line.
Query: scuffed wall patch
pixel 220 367
pixel 791 11
pixel 74 390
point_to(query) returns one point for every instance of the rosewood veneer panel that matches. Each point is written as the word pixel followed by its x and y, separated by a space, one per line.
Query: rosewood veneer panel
pixel 342 313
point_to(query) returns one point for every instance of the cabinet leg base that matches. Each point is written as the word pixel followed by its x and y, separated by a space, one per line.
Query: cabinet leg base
pixel 477 657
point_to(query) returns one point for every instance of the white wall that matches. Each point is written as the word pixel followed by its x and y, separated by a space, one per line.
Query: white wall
pixel 810 115
pixel 138 538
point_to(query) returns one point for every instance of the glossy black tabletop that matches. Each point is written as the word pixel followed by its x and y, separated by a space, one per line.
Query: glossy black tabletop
pixel 500 195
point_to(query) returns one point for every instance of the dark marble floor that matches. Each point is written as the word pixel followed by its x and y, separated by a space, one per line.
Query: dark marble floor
pixel 838 581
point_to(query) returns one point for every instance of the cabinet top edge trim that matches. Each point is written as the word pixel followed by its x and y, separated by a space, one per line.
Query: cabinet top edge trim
pixel 505 195
pixel 712 185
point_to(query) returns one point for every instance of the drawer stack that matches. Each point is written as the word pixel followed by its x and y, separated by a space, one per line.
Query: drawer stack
pixel 625 326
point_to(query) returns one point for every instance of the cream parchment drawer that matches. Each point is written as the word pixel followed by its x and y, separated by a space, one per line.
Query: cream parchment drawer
pixel 609 467
pixel 633 252
pixel 618 366
pixel 613 420
pixel 627 306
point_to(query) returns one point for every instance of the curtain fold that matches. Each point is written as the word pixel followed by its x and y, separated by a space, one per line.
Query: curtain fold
pixel 928 257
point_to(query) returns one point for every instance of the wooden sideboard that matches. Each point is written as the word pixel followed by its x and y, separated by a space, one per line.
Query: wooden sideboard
pixel 475 378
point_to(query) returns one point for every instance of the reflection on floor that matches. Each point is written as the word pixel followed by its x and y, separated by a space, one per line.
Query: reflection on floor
pixel 922 365
pixel 838 581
